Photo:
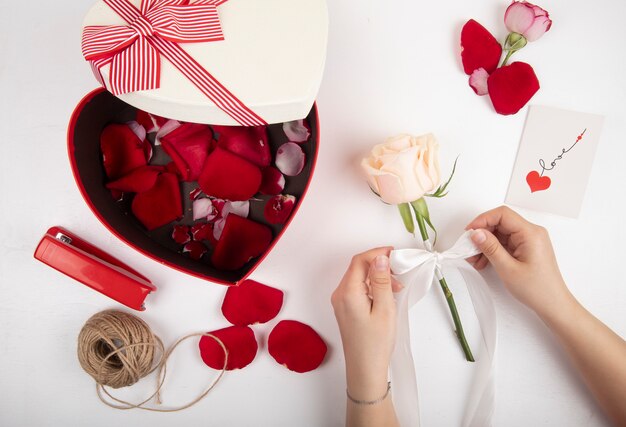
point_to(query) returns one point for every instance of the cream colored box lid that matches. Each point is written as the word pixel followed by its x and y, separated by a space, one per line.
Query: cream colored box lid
pixel 271 58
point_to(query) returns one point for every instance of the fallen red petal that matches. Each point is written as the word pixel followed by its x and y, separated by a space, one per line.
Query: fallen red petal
pixel 479 48
pixel 241 240
pixel 251 143
pixel 511 87
pixel 228 176
pixel 194 249
pixel 273 181
pixel 122 151
pixel 251 302
pixel 188 146
pixel 290 159
pixel 180 234
pixel 278 208
pixel 141 179
pixel 240 343
pixel 296 346
pixel 159 205
pixel 297 131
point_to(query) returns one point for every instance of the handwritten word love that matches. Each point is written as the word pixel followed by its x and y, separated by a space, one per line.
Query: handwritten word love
pixel 537 181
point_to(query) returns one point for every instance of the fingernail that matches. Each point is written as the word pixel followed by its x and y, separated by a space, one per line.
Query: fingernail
pixel 381 263
pixel 479 236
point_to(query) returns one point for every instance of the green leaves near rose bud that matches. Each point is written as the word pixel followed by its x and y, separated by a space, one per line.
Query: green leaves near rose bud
pixel 423 216
pixel 407 217
pixel 441 191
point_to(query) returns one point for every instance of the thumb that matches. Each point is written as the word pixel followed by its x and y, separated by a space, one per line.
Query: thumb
pixel 491 248
pixel 380 282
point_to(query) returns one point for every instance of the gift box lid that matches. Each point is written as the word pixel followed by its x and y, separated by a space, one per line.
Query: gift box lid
pixel 226 62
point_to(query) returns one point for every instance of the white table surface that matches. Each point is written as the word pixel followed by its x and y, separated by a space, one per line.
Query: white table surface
pixel 392 67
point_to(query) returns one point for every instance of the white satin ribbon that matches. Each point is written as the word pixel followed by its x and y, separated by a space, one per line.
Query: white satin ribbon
pixel 416 269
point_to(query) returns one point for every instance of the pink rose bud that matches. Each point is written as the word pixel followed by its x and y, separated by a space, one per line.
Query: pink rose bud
pixel 527 19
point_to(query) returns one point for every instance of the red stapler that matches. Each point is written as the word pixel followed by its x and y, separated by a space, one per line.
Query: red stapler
pixel 82 261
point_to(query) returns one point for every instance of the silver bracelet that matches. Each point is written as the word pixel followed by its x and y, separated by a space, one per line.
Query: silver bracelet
pixel 370 402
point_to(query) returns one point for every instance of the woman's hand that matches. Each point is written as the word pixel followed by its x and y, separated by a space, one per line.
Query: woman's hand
pixel 522 255
pixel 366 315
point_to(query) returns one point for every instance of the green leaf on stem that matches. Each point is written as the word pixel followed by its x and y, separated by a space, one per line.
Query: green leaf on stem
pixel 407 217
pixel 423 216
pixel 441 191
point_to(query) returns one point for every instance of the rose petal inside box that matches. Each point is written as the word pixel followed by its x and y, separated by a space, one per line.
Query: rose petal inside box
pixel 99 109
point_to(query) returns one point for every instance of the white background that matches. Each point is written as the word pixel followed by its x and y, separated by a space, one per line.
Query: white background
pixel 392 67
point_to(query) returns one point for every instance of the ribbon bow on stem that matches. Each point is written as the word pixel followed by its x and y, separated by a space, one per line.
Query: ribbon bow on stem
pixel 416 269
pixel 134 50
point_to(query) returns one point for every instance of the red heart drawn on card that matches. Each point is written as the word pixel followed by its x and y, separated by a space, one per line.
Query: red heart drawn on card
pixel 99 109
pixel 537 182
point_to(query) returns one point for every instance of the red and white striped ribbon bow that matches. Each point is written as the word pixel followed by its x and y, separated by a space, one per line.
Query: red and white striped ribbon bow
pixel 134 50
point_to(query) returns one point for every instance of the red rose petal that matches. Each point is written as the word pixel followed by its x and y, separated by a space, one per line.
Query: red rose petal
pixel 290 159
pixel 296 346
pixel 202 208
pixel 122 151
pixel 137 129
pixel 195 249
pixel 478 81
pixel 278 208
pixel 241 240
pixel 228 176
pixel 194 194
pixel 251 302
pixel 150 122
pixel 297 131
pixel 511 87
pixel 273 181
pixel 189 145
pixel 140 179
pixel 180 234
pixel 479 48
pixel 203 231
pixel 238 340
pixel 159 205
pixel 165 129
pixel 251 143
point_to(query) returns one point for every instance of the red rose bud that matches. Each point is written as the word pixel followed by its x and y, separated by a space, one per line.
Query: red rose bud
pixel 141 179
pixel 195 249
pixel 290 159
pixel 228 176
pixel 296 346
pixel 479 49
pixel 188 146
pixel 241 240
pixel 159 205
pixel 511 87
pixel 251 302
pixel 278 208
pixel 180 234
pixel 122 151
pixel 251 143
pixel 240 343
pixel 273 181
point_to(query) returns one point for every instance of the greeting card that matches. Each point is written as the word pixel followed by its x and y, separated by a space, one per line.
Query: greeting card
pixel 554 160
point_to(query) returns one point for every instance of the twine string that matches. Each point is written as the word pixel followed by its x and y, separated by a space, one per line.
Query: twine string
pixel 117 349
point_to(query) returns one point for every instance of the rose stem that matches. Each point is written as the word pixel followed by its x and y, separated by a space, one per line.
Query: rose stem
pixel 447 293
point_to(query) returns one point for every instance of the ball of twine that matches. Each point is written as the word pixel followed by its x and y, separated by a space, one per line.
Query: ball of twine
pixel 117 349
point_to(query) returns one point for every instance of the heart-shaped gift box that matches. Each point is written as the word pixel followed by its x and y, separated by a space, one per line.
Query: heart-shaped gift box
pixel 270 54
